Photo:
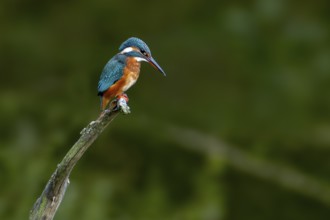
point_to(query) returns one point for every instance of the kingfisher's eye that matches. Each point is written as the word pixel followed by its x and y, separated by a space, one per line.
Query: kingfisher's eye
pixel 144 52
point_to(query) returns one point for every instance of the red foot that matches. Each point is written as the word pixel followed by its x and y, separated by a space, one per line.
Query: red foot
pixel 123 96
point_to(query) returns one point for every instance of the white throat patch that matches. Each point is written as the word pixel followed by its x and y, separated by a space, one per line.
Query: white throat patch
pixel 139 59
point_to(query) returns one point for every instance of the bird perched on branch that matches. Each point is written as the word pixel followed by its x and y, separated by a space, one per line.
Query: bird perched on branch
pixel 122 71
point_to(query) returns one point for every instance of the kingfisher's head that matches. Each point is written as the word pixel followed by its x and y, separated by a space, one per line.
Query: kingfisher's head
pixel 135 47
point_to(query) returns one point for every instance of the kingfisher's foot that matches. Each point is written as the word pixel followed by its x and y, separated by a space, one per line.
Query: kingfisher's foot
pixel 120 103
pixel 123 96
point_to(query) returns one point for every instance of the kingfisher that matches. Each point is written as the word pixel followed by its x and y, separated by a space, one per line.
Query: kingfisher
pixel 122 71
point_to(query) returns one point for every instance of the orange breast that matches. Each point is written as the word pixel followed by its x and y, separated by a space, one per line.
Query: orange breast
pixel 130 76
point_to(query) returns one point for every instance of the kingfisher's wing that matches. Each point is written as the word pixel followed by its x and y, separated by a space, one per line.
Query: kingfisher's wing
pixel 111 73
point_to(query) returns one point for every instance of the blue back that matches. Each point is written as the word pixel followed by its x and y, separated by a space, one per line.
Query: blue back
pixel 111 73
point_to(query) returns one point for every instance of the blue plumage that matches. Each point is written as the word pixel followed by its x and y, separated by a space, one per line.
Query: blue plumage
pixel 112 72
pixel 122 71
pixel 135 42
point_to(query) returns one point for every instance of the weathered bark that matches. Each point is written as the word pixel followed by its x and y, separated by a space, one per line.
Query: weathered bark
pixel 46 205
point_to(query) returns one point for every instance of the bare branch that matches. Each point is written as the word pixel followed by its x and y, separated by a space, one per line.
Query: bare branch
pixel 46 205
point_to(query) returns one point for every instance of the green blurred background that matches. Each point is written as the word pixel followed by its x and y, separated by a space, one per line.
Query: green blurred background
pixel 252 74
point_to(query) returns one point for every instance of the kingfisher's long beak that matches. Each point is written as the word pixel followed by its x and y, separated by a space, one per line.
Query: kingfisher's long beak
pixel 153 63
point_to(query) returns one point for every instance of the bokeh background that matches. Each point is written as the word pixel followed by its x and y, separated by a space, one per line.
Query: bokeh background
pixel 248 77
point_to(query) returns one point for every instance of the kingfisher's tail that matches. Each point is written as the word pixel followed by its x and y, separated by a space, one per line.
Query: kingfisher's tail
pixel 104 102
